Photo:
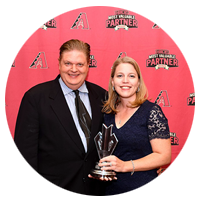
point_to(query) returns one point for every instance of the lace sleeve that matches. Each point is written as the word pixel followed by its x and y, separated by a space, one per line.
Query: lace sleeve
pixel 158 124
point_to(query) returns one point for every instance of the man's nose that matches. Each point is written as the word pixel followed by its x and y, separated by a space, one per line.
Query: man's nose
pixel 74 69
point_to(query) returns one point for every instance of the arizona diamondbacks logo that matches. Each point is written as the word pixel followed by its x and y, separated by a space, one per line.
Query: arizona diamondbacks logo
pixel 163 21
pixel 163 99
pixel 40 60
pixel 81 21
pixel 13 65
pixel 121 55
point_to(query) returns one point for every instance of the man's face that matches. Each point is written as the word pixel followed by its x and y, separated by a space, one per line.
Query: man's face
pixel 73 68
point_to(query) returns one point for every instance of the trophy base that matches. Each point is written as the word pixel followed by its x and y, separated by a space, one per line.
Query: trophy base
pixel 98 174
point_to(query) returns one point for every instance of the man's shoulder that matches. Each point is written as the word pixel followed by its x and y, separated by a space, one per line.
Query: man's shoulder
pixel 91 85
pixel 42 88
pixel 96 90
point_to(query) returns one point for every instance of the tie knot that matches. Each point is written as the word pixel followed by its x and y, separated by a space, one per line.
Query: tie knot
pixel 76 92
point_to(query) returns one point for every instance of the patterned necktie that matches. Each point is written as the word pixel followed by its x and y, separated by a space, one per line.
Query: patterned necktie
pixel 83 116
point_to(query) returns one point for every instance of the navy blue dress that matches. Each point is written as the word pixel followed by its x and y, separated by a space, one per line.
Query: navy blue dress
pixel 147 123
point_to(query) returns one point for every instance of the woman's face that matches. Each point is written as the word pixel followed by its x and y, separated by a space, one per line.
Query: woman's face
pixel 126 81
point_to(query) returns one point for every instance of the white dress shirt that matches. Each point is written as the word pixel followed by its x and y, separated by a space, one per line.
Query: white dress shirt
pixel 70 99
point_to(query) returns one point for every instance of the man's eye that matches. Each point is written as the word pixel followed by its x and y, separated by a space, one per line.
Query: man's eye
pixel 80 64
pixel 68 63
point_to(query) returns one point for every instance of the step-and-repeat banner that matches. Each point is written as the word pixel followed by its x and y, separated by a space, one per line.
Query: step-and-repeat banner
pixel 112 33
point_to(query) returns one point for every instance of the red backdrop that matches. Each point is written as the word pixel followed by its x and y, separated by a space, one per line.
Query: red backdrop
pixel 112 33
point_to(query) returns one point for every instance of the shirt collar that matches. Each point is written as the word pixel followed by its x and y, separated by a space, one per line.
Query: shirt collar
pixel 67 90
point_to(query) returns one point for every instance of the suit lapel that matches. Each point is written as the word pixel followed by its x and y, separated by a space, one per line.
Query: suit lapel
pixel 61 109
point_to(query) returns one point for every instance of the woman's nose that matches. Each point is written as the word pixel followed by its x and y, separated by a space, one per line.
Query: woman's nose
pixel 125 79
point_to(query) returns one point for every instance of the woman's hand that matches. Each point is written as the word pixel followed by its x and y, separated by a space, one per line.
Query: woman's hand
pixel 160 171
pixel 112 163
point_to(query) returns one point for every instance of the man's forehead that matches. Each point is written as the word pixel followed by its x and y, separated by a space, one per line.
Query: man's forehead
pixel 74 55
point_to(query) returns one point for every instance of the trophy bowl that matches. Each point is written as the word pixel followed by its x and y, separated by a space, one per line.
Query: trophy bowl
pixel 105 142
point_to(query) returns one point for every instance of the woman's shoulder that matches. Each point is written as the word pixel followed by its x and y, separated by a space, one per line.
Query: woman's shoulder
pixel 150 105
pixel 153 109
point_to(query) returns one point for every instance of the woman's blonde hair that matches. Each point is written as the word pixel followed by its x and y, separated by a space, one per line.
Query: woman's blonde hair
pixel 113 97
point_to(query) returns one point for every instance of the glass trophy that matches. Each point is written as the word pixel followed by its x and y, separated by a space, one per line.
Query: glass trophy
pixel 106 142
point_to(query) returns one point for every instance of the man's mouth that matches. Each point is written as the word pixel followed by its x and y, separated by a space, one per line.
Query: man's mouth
pixel 73 75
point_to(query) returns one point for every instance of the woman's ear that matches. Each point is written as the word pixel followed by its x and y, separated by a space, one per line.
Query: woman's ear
pixel 112 82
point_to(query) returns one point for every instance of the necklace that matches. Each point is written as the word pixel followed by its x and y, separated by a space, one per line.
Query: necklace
pixel 120 120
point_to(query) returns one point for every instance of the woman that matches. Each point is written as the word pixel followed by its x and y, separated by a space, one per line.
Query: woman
pixel 140 126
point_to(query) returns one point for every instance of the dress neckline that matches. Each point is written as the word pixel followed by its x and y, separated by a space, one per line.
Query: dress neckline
pixel 133 115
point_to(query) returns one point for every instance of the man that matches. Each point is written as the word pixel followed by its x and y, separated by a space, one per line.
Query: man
pixel 48 132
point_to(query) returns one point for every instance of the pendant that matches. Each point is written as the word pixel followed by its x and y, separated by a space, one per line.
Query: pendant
pixel 119 121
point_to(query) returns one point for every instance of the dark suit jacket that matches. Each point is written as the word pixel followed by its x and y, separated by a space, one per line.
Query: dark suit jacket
pixel 47 137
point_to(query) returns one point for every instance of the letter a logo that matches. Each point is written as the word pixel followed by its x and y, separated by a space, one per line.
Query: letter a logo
pixel 162 21
pixel 122 54
pixel 40 60
pixel 81 21
pixel 163 99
